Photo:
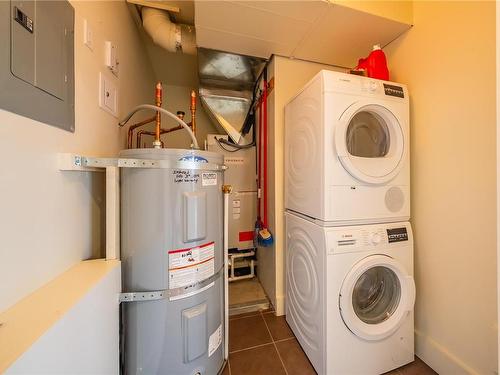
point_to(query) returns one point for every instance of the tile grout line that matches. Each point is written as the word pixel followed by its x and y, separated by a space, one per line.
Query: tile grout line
pixel 288 338
pixel 274 343
pixel 244 317
pixel 251 347
pixel 252 314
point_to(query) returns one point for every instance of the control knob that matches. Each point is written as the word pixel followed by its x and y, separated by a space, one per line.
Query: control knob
pixel 375 238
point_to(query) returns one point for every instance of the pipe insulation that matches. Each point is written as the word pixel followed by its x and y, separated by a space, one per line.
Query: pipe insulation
pixel 166 34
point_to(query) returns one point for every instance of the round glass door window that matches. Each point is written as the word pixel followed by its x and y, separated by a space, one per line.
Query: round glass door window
pixel 370 143
pixel 376 295
pixel 367 136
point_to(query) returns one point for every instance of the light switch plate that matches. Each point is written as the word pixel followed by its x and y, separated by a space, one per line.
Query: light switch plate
pixel 108 95
pixel 112 57
pixel 88 35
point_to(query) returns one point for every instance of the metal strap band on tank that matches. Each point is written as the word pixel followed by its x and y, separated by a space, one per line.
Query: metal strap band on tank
pixel 167 164
pixel 167 293
pixel 147 163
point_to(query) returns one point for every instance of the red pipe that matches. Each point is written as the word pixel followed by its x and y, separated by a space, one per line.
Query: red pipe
pixel 259 164
pixel 265 149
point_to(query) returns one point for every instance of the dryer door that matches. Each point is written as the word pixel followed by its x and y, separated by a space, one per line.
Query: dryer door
pixel 375 297
pixel 370 142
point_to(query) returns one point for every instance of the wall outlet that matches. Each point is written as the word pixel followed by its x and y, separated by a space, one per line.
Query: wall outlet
pixel 108 95
pixel 88 35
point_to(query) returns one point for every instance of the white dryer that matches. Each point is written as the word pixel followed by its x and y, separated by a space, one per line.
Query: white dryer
pixel 347 150
pixel 350 295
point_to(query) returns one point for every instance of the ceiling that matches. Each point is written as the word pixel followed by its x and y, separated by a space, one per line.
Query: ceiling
pixel 186 11
pixel 313 30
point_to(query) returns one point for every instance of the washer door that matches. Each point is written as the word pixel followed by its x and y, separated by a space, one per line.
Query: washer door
pixel 375 297
pixel 370 143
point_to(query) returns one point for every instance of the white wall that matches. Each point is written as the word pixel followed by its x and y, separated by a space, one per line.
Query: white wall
pixel 448 62
pixel 290 75
pixel 47 220
pixel 85 340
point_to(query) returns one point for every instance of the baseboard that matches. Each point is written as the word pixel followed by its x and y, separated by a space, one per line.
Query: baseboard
pixel 280 305
pixel 439 358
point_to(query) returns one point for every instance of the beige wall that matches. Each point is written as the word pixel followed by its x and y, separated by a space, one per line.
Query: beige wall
pixel 178 98
pixel 290 75
pixel 50 219
pixel 448 62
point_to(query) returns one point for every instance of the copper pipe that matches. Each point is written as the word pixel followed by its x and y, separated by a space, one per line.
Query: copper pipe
pixel 159 94
pixel 139 136
pixel 130 138
pixel 193 111
pixel 170 130
pixel 140 133
pixel 181 115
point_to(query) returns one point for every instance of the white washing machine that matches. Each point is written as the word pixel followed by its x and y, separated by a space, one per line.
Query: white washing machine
pixel 347 150
pixel 350 295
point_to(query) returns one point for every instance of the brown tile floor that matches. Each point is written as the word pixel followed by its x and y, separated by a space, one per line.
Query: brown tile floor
pixel 261 343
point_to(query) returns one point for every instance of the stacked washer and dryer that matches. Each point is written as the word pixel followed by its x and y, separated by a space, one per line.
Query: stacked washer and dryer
pixel 349 260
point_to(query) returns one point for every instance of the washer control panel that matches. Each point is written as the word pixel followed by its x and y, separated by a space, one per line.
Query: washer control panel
pixel 397 234
pixel 364 237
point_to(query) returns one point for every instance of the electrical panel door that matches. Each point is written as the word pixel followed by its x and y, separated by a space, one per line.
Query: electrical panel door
pixel 37 61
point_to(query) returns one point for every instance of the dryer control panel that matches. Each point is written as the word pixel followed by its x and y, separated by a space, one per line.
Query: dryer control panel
pixel 367 237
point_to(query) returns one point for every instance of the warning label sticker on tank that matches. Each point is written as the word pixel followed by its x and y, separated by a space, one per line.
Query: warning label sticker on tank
pixel 189 266
pixel 215 340
pixel 185 176
pixel 208 179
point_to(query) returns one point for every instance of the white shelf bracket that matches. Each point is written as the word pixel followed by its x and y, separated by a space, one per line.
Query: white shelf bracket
pixel 112 213
pixel 74 162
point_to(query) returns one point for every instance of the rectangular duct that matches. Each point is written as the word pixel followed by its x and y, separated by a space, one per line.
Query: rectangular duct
pixel 227 84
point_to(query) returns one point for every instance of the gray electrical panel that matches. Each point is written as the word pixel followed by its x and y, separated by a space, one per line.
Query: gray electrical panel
pixel 37 61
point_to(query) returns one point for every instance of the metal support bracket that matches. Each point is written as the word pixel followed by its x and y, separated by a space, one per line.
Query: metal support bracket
pixel 143 296
pixel 176 293
pixel 73 162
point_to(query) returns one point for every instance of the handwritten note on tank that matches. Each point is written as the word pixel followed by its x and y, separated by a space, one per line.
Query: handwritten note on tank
pixel 185 176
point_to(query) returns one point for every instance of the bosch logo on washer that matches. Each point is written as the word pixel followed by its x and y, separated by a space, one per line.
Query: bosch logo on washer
pixel 397 235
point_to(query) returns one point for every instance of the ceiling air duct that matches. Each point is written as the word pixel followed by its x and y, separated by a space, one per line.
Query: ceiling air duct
pixel 227 80
pixel 227 83
pixel 166 34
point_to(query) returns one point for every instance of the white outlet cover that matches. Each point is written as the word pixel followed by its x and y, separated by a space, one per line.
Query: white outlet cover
pixel 108 95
